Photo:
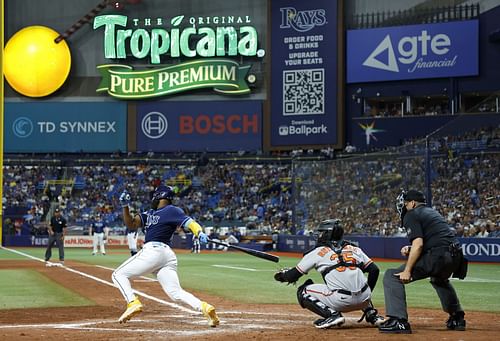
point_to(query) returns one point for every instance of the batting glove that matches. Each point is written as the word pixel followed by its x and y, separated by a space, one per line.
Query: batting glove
pixel 203 237
pixel 125 199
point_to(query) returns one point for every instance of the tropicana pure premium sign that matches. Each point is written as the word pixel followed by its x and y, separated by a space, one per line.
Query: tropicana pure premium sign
pixel 209 47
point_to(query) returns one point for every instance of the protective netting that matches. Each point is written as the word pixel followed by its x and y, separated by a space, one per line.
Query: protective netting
pixel 460 161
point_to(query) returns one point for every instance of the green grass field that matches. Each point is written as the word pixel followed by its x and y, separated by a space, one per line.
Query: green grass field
pixel 239 277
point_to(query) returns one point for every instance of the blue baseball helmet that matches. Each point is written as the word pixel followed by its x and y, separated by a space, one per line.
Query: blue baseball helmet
pixel 163 192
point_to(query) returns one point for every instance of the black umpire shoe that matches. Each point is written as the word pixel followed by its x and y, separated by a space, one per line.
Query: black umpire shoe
pixel 335 320
pixel 456 321
pixel 395 326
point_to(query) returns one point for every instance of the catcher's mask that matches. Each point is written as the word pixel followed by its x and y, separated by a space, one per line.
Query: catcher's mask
pixel 329 231
pixel 161 192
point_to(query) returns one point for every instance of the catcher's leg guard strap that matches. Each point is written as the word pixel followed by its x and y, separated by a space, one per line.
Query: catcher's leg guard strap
pixel 300 291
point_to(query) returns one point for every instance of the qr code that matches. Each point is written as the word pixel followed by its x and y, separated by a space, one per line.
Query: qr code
pixel 304 92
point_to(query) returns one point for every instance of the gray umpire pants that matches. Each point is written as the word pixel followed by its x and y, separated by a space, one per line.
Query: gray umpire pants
pixel 395 294
pixel 56 238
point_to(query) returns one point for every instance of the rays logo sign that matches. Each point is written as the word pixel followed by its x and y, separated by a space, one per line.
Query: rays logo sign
pixel 302 21
pixel 208 42
pixel 414 51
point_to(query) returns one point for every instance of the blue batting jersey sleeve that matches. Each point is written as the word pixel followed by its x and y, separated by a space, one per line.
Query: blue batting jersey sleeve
pixel 161 224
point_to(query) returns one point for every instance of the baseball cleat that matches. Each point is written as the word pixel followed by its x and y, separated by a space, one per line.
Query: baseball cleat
pixel 209 312
pixel 133 308
pixel 395 326
pixel 456 321
pixel 336 320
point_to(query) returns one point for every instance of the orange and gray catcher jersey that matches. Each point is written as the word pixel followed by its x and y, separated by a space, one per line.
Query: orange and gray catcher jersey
pixel 343 277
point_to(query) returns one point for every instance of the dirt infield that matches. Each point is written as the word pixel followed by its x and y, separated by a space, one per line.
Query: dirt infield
pixel 166 320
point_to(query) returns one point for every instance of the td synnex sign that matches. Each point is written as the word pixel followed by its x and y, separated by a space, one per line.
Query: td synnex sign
pixel 414 51
pixel 65 127
pixel 199 126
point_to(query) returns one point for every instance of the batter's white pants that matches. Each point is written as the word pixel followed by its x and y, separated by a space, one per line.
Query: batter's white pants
pixel 99 239
pixel 337 301
pixel 157 258
pixel 132 241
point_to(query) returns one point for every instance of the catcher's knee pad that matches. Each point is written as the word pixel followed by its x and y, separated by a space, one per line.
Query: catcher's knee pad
pixel 300 291
pixel 311 303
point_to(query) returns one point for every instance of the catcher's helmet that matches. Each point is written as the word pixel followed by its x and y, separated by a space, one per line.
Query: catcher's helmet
pixel 163 192
pixel 330 230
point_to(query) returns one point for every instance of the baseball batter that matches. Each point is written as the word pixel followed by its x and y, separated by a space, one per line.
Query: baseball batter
pixel 98 228
pixel 156 256
pixel 341 265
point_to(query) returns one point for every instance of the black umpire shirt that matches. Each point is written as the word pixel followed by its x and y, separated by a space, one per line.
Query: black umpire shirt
pixel 426 223
pixel 57 224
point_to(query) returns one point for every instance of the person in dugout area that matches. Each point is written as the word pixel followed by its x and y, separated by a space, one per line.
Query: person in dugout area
pixel 98 230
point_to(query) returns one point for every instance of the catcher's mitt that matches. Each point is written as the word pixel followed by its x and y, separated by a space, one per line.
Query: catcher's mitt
pixel 280 276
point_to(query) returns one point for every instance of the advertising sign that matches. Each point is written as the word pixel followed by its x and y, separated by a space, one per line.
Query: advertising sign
pixel 209 43
pixel 199 126
pixel 413 51
pixel 65 127
pixel 304 73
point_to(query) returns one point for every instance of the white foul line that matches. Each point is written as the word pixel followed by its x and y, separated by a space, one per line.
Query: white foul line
pixel 140 293
pixel 233 267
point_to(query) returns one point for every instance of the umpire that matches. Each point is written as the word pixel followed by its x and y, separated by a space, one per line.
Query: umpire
pixel 434 253
pixel 57 231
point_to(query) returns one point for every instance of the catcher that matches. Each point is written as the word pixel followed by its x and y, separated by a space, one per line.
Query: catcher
pixel 341 264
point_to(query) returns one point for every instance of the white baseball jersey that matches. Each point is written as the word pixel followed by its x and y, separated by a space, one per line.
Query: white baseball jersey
pixel 348 278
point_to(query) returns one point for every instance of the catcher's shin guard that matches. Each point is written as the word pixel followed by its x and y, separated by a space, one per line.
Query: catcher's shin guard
pixel 311 303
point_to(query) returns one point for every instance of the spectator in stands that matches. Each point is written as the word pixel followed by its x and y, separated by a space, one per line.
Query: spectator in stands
pixel 495 232
pixel 9 226
pixel 350 148
pixel 483 232
pixel 459 230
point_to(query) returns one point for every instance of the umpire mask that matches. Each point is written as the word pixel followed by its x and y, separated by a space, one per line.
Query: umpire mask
pixel 400 205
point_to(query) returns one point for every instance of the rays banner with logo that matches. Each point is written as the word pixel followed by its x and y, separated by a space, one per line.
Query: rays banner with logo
pixel 213 126
pixel 413 51
pixel 304 73
pixel 65 127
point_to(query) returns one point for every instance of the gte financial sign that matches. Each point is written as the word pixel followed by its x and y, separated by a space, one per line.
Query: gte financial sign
pixel 207 43
pixel 415 51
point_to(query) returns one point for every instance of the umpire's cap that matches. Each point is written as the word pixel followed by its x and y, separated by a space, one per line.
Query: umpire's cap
pixel 163 192
pixel 414 195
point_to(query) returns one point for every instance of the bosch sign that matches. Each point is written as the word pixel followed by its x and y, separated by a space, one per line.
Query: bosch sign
pixel 219 124
pixel 200 126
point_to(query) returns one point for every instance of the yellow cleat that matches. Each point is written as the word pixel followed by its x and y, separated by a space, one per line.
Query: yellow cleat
pixel 133 308
pixel 209 312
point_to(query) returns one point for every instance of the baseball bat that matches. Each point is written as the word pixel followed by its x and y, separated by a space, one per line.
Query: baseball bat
pixel 255 253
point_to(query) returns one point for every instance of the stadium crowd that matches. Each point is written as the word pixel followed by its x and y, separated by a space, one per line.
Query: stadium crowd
pixel 359 190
